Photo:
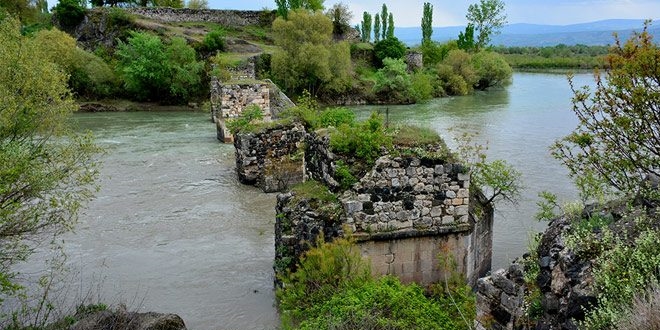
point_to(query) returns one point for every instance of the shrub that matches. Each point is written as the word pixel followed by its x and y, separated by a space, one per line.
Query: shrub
pixel 69 13
pixel 336 117
pixel 393 80
pixel 364 140
pixel 152 70
pixel 322 271
pixel 251 114
pixel 621 271
pixel 492 70
pixel 89 75
pixel 434 53
pixel 378 304
pixel 214 41
pixel 421 88
pixel 389 47
pixel 344 175
pixel 119 17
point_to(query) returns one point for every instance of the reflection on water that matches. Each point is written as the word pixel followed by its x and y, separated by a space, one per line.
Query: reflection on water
pixel 173 229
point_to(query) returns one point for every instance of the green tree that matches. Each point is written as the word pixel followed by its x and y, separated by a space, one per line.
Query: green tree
pixel 487 17
pixel 427 23
pixel 25 10
pixel 466 39
pixel 89 75
pixel 341 18
pixel 393 80
pixel 492 70
pixel 197 4
pixel 152 70
pixel 366 27
pixel 69 13
pixel 616 146
pixel 308 58
pixel 284 6
pixel 383 19
pixel 390 26
pixel 376 28
pixel 168 3
pixel 47 171
pixel 390 47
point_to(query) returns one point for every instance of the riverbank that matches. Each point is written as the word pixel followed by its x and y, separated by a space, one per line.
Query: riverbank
pixel 119 105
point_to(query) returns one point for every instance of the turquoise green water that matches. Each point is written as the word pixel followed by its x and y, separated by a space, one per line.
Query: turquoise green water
pixel 172 230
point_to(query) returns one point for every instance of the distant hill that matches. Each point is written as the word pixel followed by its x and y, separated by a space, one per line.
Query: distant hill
pixel 522 34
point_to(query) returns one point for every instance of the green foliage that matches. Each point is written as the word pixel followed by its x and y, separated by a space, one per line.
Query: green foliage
pixel 285 6
pixel 427 23
pixel 197 4
pixel 621 271
pixel 28 12
pixel 89 75
pixel 615 145
pixel 362 140
pixel 466 39
pixel 390 27
pixel 314 190
pixel 365 31
pixel 322 271
pixel 379 304
pixel 547 206
pixel 435 53
pixel 389 47
pixel 377 28
pixel 47 172
pixel 422 88
pixel 167 3
pixel 553 57
pixel 456 74
pixel 383 20
pixel 492 70
pixel 250 116
pixel 119 17
pixel 333 289
pixel 341 18
pixel 393 80
pixel 152 70
pixel 308 58
pixel 487 17
pixel 343 175
pixel 335 117
pixel 500 178
pixel 69 13
pixel 414 136
pixel 214 40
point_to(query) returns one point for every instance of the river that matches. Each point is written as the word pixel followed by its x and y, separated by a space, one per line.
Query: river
pixel 172 230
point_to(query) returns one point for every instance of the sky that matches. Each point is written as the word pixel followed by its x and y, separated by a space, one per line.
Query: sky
pixel 452 12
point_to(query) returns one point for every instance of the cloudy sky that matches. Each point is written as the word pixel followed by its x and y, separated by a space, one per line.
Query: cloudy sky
pixel 452 12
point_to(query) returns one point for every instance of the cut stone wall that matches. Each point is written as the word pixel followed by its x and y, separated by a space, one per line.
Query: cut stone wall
pixel 229 100
pixel 223 17
pixel 405 214
pixel 271 159
pixel 415 61
pixel 236 97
